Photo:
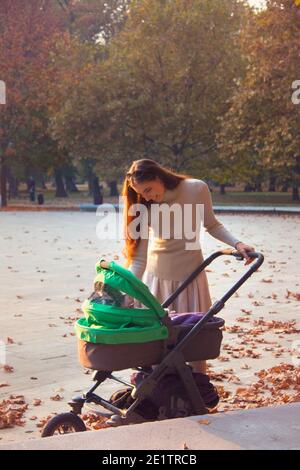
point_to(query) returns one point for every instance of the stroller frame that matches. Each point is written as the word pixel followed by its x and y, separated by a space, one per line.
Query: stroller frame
pixel 173 362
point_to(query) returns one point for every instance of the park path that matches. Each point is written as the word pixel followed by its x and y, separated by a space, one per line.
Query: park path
pixel 47 268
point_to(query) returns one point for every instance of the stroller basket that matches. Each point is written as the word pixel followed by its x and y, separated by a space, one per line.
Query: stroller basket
pixel 117 338
pixel 146 341
pixel 206 345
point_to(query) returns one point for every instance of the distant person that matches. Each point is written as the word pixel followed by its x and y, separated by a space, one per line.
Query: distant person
pixel 31 189
pixel 97 192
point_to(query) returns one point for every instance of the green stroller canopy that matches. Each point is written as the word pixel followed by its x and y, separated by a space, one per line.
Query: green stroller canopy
pixel 109 324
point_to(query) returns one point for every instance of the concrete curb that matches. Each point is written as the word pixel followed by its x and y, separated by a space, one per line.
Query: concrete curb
pixel 269 210
pixel 269 428
pixel 217 209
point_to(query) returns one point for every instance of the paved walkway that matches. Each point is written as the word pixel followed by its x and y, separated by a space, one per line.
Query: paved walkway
pixel 262 428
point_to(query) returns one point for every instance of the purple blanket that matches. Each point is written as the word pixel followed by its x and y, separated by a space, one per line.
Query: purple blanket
pixel 185 318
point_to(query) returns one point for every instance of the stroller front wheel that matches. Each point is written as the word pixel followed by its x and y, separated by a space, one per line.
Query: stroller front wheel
pixel 64 423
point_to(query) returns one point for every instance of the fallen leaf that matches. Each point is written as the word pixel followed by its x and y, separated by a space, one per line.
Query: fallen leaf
pixel 95 422
pixel 4 384
pixel 44 420
pixel 8 368
pixel 11 411
pixel 56 398
pixel 37 402
pixel 295 295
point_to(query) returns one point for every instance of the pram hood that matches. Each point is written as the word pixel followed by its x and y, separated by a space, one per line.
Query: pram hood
pixel 110 324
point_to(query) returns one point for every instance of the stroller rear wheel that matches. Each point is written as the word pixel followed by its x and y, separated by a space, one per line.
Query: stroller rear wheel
pixel 64 423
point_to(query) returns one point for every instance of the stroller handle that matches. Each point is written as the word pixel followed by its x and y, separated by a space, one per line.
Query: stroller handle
pixel 104 264
pixel 226 251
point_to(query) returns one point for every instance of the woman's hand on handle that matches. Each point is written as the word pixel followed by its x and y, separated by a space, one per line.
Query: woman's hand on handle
pixel 243 249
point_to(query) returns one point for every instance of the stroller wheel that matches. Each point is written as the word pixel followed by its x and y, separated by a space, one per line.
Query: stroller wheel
pixel 64 423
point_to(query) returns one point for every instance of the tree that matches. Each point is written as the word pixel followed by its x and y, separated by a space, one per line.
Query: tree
pixel 28 32
pixel 94 20
pixel 162 88
pixel 261 128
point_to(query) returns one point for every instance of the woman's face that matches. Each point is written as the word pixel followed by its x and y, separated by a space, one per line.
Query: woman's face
pixel 150 190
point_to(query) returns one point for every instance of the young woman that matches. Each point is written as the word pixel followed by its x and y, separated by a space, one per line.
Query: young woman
pixel 164 263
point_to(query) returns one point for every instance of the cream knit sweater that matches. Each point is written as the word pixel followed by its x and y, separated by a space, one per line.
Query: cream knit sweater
pixel 168 258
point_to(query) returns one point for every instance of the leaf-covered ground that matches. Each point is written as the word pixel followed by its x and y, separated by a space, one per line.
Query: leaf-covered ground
pixel 47 270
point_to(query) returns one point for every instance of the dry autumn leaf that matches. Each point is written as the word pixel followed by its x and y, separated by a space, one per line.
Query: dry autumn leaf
pixel 95 422
pixel 295 295
pixel 247 312
pixel 11 411
pixel 4 384
pixel 56 398
pixel 7 368
pixel 44 420
pixel 204 421
pixel 277 385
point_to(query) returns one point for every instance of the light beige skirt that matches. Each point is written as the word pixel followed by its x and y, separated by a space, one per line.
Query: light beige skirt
pixel 195 297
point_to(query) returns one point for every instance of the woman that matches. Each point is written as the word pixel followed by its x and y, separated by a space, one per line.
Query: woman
pixel 165 262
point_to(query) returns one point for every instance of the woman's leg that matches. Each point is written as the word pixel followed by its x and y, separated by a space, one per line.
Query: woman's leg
pixel 203 304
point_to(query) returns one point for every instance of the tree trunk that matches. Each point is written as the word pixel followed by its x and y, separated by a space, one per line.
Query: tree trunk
pixel 97 193
pixel 222 189
pixel 71 185
pixel 272 184
pixel 13 191
pixel 248 188
pixel 59 182
pixel 91 177
pixel 43 183
pixel 113 188
pixel 3 183
pixel 296 192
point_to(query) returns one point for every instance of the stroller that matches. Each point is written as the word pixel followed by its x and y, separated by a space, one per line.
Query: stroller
pixel 113 338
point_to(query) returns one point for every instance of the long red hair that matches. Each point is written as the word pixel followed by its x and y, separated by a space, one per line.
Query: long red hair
pixel 140 171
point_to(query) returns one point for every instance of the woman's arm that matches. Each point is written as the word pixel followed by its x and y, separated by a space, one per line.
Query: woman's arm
pixel 139 261
pixel 214 227
pixel 140 256
pixel 217 229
